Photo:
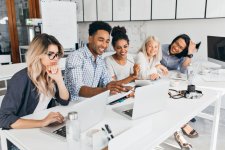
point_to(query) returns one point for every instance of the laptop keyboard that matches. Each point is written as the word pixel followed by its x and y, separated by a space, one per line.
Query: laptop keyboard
pixel 129 112
pixel 61 131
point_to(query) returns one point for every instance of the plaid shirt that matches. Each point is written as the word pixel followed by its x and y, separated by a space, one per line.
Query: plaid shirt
pixel 83 70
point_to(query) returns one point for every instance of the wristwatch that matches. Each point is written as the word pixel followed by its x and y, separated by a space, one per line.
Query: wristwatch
pixel 190 55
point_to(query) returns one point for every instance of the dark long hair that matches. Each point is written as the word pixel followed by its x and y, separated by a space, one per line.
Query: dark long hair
pixel 187 40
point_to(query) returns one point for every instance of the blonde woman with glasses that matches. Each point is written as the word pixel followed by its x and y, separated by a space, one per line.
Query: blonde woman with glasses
pixel 36 87
pixel 149 58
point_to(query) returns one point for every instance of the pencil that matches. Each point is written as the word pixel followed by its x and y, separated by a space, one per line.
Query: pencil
pixel 130 61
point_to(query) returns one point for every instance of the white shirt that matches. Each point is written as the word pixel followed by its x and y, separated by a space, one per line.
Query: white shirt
pixel 43 103
pixel 118 70
pixel 146 67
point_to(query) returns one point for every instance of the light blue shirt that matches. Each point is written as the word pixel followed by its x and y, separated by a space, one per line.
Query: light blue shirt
pixel 83 70
pixel 170 61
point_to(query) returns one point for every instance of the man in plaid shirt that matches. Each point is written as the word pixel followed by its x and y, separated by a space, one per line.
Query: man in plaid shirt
pixel 86 74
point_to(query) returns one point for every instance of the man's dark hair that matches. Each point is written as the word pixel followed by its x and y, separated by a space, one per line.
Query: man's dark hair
pixel 99 25
pixel 187 39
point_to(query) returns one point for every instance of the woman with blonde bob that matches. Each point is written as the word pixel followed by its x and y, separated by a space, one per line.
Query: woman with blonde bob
pixel 36 87
pixel 149 57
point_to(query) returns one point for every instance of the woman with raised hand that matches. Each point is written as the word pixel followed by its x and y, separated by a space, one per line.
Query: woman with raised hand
pixel 149 58
pixel 178 54
pixel 36 87
pixel 121 65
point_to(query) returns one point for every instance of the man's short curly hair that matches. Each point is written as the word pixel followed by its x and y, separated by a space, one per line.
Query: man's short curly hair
pixel 99 25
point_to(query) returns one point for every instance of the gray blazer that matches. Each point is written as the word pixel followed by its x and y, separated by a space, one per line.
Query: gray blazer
pixel 21 99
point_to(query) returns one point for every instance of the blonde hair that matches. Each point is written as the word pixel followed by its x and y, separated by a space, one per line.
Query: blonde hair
pixel 36 71
pixel 143 48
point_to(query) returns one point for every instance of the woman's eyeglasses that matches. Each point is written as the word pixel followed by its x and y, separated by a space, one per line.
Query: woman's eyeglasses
pixel 52 55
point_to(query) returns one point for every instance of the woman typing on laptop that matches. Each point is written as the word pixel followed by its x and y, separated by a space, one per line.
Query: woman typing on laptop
pixel 149 59
pixel 36 87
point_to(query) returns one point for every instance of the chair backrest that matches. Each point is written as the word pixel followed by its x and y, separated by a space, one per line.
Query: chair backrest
pixel 62 63
pixel 1 98
pixel 5 59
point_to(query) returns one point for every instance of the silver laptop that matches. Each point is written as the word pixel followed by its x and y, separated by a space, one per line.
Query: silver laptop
pixel 148 99
pixel 90 112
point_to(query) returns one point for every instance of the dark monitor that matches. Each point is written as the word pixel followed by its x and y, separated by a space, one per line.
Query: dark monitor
pixel 216 49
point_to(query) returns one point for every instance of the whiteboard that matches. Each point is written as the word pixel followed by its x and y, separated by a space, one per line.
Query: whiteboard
pixel 121 10
pixel 163 9
pixel 190 9
pixel 140 9
pixel 104 10
pixel 59 19
pixel 90 10
pixel 215 8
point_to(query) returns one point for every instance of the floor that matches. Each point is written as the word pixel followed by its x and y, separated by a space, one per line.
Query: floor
pixel 203 127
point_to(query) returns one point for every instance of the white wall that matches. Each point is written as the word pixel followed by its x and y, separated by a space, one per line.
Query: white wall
pixel 166 30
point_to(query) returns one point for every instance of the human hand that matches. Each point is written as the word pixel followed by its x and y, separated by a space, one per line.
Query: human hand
pixel 154 76
pixel 164 70
pixel 136 70
pixel 54 72
pixel 116 87
pixel 51 118
pixel 192 47
pixel 132 94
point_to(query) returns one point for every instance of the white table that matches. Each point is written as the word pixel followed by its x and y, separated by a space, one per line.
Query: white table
pixel 199 81
pixel 144 134
pixel 7 71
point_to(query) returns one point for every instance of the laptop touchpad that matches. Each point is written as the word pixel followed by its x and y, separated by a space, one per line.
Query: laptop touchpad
pixel 129 112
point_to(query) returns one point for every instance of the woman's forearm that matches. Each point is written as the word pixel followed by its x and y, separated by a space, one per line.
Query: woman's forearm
pixel 27 123
pixel 63 92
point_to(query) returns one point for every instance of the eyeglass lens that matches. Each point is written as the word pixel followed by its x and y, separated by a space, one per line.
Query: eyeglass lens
pixel 52 55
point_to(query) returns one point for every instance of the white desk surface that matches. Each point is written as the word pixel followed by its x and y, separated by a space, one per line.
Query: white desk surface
pixel 219 85
pixel 198 81
pixel 145 133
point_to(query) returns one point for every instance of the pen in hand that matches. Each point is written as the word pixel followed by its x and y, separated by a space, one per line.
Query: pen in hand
pixel 130 61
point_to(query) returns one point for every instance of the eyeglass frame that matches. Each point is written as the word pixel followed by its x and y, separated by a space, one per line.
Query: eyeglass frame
pixel 58 55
